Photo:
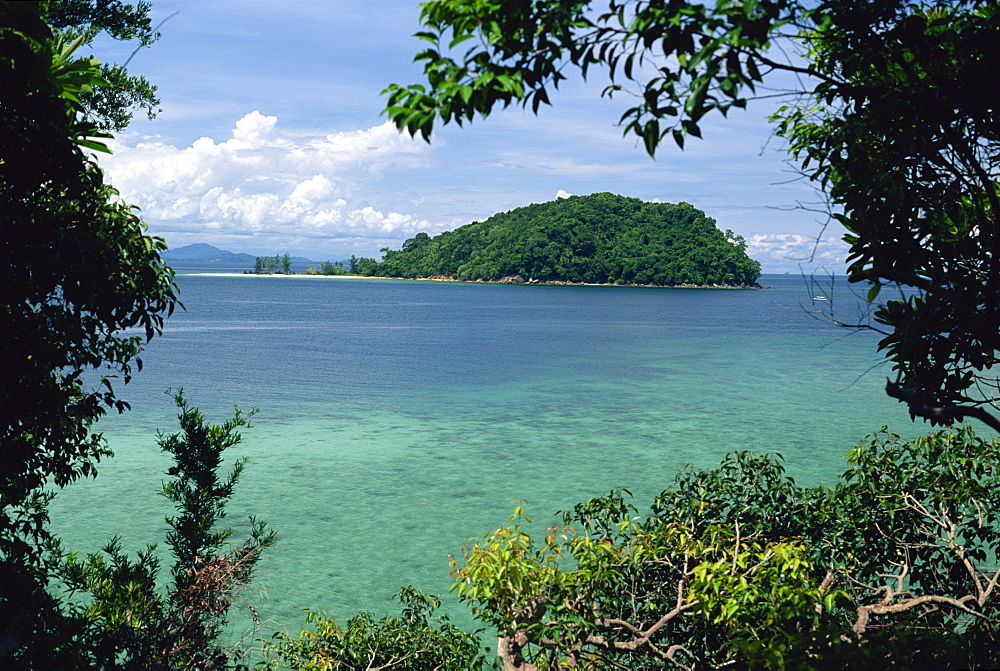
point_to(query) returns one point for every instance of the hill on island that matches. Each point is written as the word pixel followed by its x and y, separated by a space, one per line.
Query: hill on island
pixel 598 239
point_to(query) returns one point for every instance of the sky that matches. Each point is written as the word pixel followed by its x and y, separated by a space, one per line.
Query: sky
pixel 272 139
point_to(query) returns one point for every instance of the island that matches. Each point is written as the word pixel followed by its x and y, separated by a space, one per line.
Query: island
pixel 602 238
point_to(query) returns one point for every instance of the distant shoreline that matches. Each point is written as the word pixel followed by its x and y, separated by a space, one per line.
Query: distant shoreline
pixel 549 283
pixel 289 275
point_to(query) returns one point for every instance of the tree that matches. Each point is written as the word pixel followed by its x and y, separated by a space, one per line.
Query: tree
pixel 416 242
pixel 367 266
pixel 84 288
pixel 739 567
pixel 889 119
pixel 269 265
pixel 416 640
pixel 110 107
pixel 122 619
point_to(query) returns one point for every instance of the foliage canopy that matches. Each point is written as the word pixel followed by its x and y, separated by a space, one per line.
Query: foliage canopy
pixel 416 640
pixel 602 238
pixel 120 618
pixel 112 105
pixel 739 567
pixel 888 116
pixel 83 288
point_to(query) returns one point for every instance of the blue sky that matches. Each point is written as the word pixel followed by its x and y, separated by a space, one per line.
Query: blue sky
pixel 272 139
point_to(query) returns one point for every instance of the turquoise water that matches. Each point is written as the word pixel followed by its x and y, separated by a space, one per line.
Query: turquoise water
pixel 399 419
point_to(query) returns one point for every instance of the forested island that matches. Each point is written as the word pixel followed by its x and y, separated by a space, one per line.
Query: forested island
pixel 598 239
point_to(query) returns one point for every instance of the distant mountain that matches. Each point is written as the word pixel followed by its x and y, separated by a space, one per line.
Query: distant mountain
pixel 203 253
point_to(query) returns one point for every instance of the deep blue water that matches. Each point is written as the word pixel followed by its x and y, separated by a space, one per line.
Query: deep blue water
pixel 398 419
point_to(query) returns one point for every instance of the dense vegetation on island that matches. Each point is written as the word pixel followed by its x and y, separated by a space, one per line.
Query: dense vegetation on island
pixel 337 267
pixel 602 238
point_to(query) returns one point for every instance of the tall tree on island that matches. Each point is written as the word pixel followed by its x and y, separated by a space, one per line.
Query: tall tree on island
pixel 891 121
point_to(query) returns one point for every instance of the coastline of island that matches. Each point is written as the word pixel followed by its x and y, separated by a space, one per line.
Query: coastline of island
pixel 504 281
pixel 601 239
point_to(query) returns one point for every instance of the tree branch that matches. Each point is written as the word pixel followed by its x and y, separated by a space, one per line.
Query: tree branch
pixel 864 612
pixel 946 415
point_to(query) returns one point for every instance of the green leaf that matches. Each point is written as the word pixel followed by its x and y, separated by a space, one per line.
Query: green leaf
pixel 679 138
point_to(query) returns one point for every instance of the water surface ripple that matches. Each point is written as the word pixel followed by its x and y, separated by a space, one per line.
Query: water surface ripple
pixel 399 419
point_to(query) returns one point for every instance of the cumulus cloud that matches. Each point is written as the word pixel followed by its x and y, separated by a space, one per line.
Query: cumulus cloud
pixel 561 194
pixel 262 181
pixel 787 251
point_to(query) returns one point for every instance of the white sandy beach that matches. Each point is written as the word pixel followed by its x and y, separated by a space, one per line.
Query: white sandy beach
pixel 299 275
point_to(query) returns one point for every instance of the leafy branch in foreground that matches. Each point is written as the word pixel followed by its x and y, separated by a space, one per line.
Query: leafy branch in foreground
pixel 110 106
pixel 417 640
pixel 739 566
pixel 122 619
pixel 84 288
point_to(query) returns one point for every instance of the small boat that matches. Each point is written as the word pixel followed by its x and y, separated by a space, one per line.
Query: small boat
pixel 819 298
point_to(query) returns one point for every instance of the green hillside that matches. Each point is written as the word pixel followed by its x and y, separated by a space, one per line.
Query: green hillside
pixel 601 238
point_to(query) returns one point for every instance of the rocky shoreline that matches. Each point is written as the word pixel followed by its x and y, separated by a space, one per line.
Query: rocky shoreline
pixel 513 279
pixel 518 279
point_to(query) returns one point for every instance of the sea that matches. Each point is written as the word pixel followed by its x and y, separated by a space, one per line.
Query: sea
pixel 400 419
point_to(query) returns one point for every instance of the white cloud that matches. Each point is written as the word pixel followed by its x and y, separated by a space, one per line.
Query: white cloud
pixel 263 182
pixel 788 251
pixel 261 188
pixel 561 194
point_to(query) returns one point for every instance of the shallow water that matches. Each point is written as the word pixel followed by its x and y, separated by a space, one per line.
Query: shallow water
pixel 399 419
